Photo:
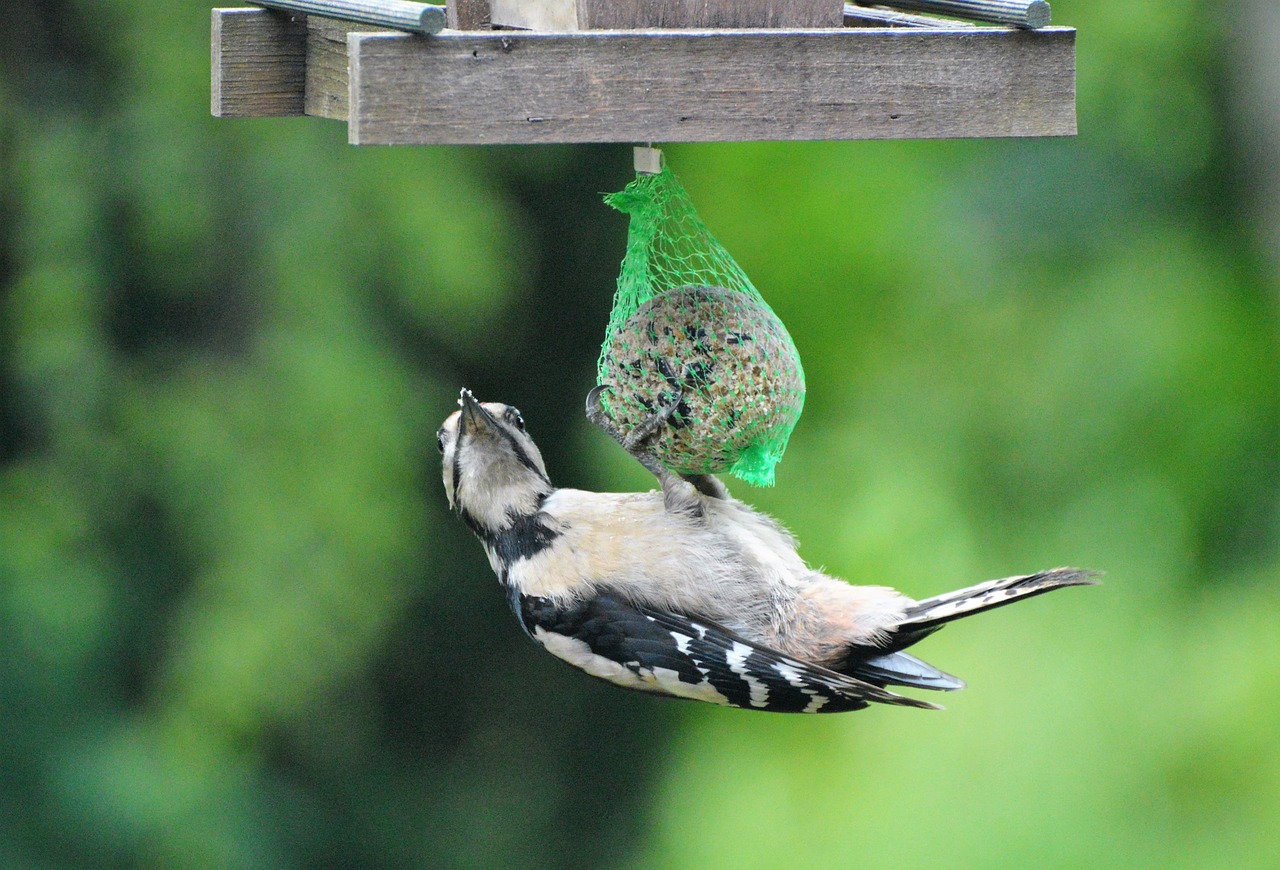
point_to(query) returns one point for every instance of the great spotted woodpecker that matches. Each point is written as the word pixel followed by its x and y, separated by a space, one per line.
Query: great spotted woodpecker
pixel 689 592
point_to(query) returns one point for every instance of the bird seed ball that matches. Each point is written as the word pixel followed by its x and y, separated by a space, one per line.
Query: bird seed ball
pixel 742 381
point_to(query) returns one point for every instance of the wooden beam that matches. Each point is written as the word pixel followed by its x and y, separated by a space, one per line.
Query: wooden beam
pixel 697 86
pixel 672 86
pixel 615 15
pixel 569 15
pixel 258 64
pixel 327 83
pixel 468 14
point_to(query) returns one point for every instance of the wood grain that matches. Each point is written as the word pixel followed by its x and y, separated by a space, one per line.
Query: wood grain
pixel 326 79
pixel 257 64
pixel 674 86
pixel 546 15
pixel 468 14
pixel 505 87
pixel 571 15
pixel 615 15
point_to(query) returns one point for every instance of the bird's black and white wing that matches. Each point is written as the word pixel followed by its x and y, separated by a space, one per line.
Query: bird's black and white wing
pixel 670 654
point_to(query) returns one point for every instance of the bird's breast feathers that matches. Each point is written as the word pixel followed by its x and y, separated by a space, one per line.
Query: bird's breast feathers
pixel 629 542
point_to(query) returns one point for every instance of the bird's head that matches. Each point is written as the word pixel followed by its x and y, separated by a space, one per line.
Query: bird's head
pixel 493 472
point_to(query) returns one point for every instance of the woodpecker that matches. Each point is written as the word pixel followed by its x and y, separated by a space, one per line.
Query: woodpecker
pixel 688 592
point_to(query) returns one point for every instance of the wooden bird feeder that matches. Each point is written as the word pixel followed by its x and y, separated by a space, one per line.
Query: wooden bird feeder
pixel 542 71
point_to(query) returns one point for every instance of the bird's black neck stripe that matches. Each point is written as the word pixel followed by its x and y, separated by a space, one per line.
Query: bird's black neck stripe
pixel 524 536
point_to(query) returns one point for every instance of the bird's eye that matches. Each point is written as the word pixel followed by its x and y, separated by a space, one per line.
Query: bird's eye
pixel 514 418
pixel 440 440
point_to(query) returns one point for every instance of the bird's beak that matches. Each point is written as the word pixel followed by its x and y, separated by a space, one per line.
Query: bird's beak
pixel 474 416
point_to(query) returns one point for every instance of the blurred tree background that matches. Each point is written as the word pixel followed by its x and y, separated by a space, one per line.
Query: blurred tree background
pixel 238 627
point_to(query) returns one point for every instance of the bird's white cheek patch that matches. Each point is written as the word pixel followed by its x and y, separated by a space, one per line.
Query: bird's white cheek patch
pixel 660 680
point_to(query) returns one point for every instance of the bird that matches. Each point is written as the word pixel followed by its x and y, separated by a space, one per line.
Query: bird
pixel 688 592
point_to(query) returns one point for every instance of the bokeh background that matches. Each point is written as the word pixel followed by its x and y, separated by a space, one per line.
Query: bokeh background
pixel 238 627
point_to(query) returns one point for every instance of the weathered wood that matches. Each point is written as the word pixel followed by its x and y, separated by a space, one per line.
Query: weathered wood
pixel 1013 13
pixel 484 86
pixel 561 16
pixel 675 86
pixel 258 64
pixel 393 14
pixel 866 16
pixel 544 15
pixel 614 15
pixel 468 14
pixel 326 79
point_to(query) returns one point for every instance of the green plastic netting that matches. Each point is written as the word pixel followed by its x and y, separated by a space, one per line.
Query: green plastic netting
pixel 687 323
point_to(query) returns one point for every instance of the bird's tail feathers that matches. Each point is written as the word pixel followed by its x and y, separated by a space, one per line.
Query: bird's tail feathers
pixel 901 669
pixel 932 613
pixel 884 696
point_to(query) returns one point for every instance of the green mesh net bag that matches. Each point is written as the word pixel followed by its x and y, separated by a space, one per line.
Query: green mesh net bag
pixel 689 330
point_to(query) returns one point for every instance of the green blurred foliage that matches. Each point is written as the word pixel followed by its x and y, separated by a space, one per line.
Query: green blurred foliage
pixel 239 628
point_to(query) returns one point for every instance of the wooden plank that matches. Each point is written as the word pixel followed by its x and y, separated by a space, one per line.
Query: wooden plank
pixel 545 15
pixel 257 64
pixel 327 68
pixel 562 16
pixel 697 86
pixel 468 14
pixel 326 90
pixel 614 15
